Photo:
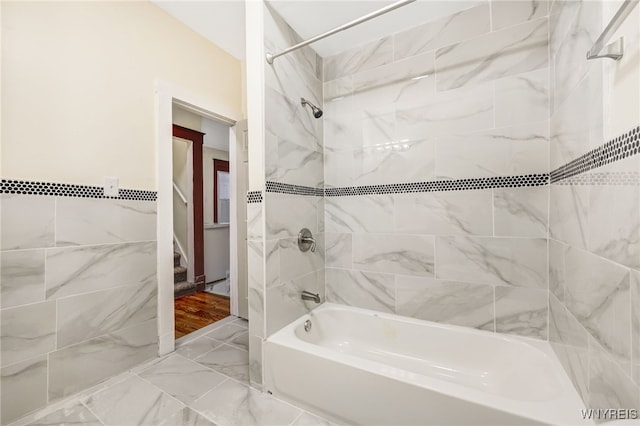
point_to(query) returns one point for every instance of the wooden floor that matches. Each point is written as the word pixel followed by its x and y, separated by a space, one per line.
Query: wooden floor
pixel 199 310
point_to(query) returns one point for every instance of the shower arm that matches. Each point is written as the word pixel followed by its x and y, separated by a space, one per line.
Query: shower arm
pixel 272 56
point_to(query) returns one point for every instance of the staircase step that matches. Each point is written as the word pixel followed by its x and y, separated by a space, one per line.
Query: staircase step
pixel 183 288
pixel 179 274
pixel 176 259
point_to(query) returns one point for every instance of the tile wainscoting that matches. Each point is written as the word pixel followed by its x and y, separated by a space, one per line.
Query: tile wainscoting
pixel 78 289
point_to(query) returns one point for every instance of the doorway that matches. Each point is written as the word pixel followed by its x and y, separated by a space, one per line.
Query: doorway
pixel 201 221
pixel 170 100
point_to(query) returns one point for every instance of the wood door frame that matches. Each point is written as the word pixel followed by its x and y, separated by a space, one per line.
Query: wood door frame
pixel 167 95
pixel 197 139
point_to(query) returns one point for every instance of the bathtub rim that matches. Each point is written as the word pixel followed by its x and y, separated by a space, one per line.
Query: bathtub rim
pixel 554 411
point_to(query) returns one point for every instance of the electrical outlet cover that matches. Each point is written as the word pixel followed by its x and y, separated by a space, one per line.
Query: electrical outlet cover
pixel 111 188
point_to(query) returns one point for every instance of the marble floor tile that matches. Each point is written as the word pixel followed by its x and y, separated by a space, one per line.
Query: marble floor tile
pixel 183 379
pixel 133 402
pixel 228 360
pixel 76 414
pixel 197 347
pixel 308 419
pixel 232 403
pixel 241 341
pixel 227 333
pixel 187 417
pixel 147 395
pixel 241 322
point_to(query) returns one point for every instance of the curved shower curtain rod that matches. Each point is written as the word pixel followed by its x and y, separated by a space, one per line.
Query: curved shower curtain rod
pixel 272 56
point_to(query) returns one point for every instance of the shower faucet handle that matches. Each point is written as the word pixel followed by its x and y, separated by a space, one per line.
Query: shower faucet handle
pixel 306 241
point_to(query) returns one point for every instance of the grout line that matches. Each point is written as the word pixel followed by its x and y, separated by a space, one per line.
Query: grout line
pixel 85 405
pixel 490 16
pixel 297 417
pixel 493 213
pixel 495 302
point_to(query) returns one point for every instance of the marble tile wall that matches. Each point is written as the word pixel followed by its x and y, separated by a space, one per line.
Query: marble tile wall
pixel 466 96
pixel 294 155
pixel 78 295
pixel 594 221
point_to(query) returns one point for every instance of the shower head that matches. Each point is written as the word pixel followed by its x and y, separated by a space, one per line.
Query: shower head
pixel 317 112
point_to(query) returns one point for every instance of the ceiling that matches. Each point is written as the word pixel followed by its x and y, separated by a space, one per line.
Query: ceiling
pixel 313 17
pixel 223 21
pixel 219 21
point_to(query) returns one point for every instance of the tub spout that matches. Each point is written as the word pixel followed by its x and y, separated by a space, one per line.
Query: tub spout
pixel 307 295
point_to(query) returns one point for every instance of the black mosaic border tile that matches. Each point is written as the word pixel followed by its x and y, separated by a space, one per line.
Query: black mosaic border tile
pixel 443 185
pixel 603 179
pixel 25 187
pixel 254 197
pixel 617 149
pixel 286 188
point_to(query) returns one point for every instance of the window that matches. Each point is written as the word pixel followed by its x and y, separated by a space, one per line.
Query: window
pixel 221 192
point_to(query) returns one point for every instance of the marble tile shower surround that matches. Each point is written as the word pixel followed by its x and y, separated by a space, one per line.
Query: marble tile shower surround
pixel 294 164
pixel 463 99
pixel 197 385
pixel 79 293
pixel 492 91
pixel 594 218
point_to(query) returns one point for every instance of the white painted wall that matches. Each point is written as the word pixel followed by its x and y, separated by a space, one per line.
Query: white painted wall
pixel 216 237
pixel 216 134
pixel 86 73
pixel 187 119
pixel 181 177
pixel 255 64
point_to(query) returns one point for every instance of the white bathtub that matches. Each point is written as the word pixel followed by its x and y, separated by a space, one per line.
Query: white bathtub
pixel 362 367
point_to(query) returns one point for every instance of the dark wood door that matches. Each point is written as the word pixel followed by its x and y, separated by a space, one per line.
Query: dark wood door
pixel 198 205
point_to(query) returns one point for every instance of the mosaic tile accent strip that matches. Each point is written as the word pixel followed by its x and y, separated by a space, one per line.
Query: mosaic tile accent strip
pixel 68 190
pixel 285 188
pixel 443 185
pixel 616 149
pixel 607 178
pixel 254 197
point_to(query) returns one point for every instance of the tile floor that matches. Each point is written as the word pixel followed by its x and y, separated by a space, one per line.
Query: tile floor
pixel 222 288
pixel 204 382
